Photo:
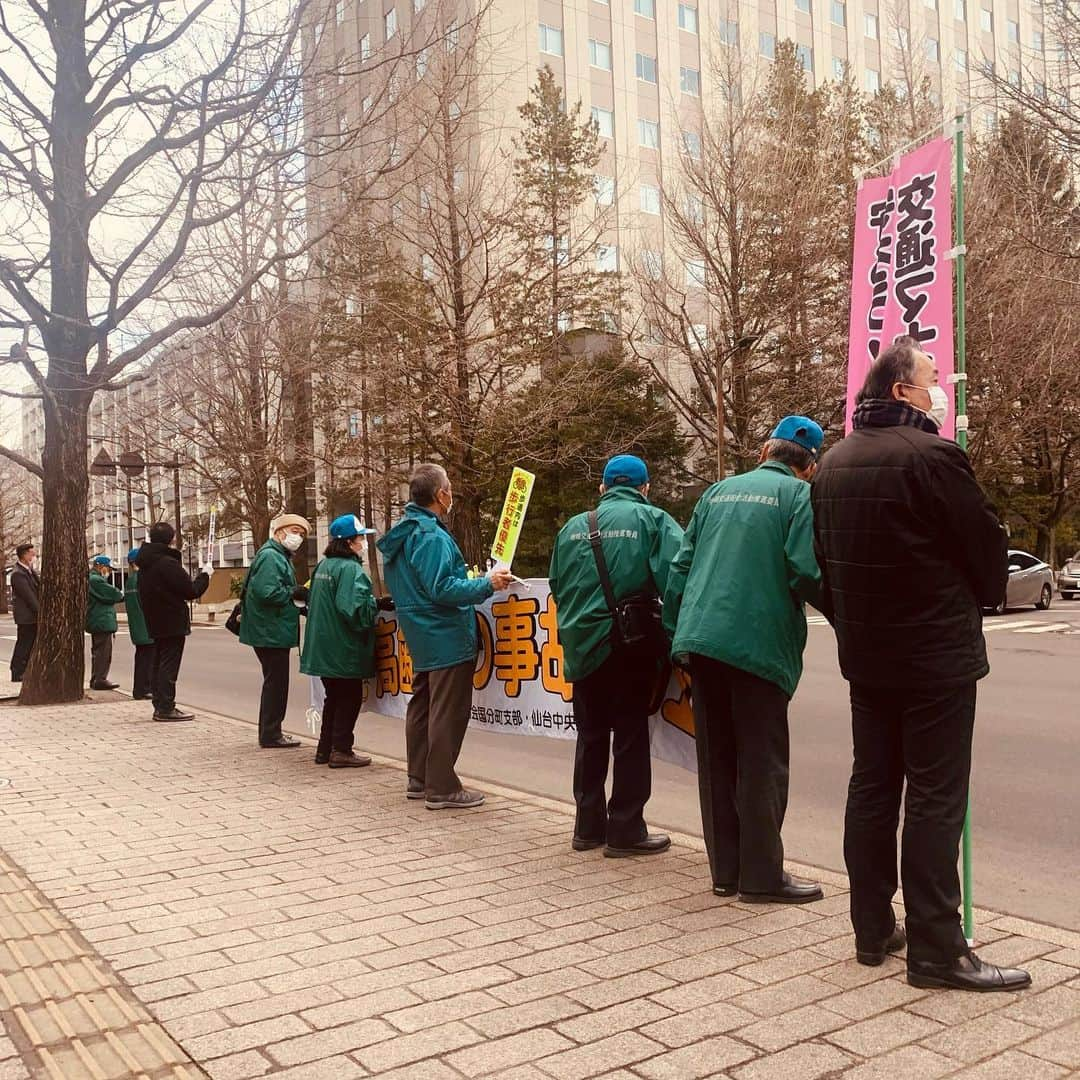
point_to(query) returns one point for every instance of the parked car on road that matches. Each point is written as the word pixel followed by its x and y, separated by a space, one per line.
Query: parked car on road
pixel 1031 581
pixel 1069 578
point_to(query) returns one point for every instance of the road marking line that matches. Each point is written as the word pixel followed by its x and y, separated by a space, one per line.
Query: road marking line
pixel 1052 627
pixel 988 627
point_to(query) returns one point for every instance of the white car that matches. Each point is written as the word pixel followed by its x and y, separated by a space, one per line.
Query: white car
pixel 1031 581
pixel 1069 579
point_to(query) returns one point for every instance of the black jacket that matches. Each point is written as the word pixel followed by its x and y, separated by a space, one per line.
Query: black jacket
pixel 165 588
pixel 910 551
pixel 25 586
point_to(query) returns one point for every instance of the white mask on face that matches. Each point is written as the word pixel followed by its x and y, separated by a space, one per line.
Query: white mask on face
pixel 939 405
pixel 292 541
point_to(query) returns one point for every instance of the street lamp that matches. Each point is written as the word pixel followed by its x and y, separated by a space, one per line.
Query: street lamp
pixel 131 465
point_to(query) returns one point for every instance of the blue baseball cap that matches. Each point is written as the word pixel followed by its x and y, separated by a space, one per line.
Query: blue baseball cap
pixel 348 526
pixel 625 469
pixel 802 431
pixel 133 554
pixel 102 560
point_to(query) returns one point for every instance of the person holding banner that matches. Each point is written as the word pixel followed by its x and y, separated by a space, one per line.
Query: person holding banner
pixel 425 572
pixel 140 637
pixel 604 563
pixel 735 605
pixel 911 550
pixel 270 622
pixel 339 640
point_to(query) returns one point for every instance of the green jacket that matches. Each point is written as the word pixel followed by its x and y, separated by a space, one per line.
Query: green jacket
pixel 639 541
pixel 101 605
pixel 270 619
pixel 433 595
pixel 744 571
pixel 136 620
pixel 339 639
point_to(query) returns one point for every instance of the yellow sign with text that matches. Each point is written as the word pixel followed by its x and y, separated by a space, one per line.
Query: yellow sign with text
pixel 508 530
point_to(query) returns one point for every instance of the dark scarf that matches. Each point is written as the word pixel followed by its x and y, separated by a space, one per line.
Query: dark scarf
pixel 883 412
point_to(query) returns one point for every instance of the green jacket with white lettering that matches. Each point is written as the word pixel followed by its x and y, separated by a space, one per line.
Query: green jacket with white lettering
pixel 639 541
pixel 744 571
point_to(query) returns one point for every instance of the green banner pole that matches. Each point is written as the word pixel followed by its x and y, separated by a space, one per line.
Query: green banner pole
pixel 960 252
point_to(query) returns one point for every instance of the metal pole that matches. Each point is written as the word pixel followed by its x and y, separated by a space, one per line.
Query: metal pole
pixel 962 439
pixel 176 497
pixel 131 516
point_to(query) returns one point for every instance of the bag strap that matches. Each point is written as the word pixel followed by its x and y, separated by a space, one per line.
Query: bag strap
pixel 601 563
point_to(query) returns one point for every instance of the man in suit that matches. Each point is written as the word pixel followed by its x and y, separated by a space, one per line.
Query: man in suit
pixel 25 587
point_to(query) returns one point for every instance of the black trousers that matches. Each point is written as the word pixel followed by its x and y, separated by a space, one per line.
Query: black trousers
pixel 923 737
pixel 274 699
pixel 611 709
pixel 344 700
pixel 101 643
pixel 25 636
pixel 436 720
pixel 142 684
pixel 168 652
pixel 741 732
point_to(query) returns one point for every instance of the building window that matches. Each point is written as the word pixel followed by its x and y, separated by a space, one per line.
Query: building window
pixel 931 4
pixel 605 122
pixel 694 208
pixel 803 6
pixel 961 10
pixel 607 258
pixel 728 32
pixel 604 188
pixel 453 34
pixel 648 133
pixel 427 267
pixel 390 23
pixel 365 47
pixel 986 20
pixel 805 55
pixel 649 197
pixel 690 81
pixel 339 12
pixel 691 142
pixel 695 273
pixel 365 105
pixel 838 13
pixel 647 8
pixel 652 263
pixel 1037 40
pixel 645 67
pixel 1014 79
pixel 1013 32
pixel 873 80
pixel 688 18
pixel 870 25
pixel 903 38
pixel 419 5
pixel 698 339
pixel 933 50
pixel 551 40
pixel 421 63
pixel 600 54
pixel 767 44
pixel 453 110
pixel 839 69
pixel 961 60
pixel 1040 91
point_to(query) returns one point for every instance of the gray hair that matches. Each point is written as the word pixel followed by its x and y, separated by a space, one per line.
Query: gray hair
pixel 896 364
pixel 425 482
pixel 790 454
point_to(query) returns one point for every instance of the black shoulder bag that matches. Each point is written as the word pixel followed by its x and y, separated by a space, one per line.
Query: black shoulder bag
pixel 232 623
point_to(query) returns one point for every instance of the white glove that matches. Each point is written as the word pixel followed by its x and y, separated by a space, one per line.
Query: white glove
pixel 207 568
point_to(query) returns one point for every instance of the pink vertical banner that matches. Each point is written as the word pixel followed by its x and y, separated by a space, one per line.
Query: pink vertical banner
pixel 901 281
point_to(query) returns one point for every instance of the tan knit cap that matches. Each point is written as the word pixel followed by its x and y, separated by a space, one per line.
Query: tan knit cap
pixel 289 519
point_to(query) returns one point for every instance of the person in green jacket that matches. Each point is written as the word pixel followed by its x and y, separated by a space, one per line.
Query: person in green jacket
pixel 434 599
pixel 339 640
pixel 101 621
pixel 735 601
pixel 612 684
pixel 142 682
pixel 270 623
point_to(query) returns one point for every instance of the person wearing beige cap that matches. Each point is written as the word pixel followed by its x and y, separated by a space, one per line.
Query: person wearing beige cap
pixel 270 622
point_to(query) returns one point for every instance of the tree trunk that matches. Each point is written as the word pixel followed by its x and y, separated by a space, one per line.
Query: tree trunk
pixel 55 672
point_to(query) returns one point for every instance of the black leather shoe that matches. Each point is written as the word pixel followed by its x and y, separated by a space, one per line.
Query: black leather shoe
pixel 173 715
pixel 141 697
pixel 874 955
pixel 281 743
pixel 652 844
pixel 104 686
pixel 579 844
pixel 725 890
pixel 966 972
pixel 790 892
pixel 322 758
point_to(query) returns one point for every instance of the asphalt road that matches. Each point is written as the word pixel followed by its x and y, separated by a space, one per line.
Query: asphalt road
pixel 1027 753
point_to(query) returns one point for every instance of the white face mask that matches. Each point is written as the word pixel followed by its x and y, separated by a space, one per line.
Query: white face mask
pixel 292 541
pixel 939 405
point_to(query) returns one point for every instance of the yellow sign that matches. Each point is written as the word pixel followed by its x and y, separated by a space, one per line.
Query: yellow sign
pixel 508 531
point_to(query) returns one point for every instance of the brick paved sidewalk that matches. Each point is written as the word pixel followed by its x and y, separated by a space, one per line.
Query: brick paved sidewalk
pixel 266 917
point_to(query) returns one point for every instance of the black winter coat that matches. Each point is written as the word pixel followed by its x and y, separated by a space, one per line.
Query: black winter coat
pixel 910 551
pixel 165 589
pixel 25 586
